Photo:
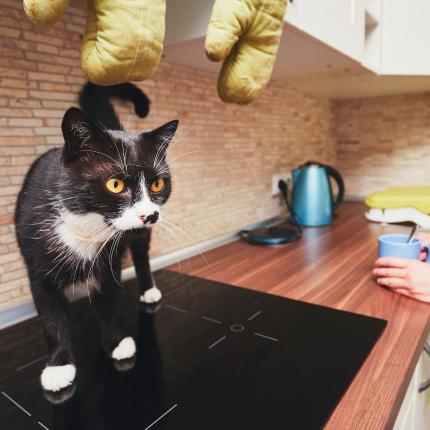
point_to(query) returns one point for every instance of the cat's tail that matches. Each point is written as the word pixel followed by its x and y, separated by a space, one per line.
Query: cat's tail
pixel 95 102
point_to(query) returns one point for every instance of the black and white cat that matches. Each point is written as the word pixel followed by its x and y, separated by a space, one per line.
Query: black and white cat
pixel 78 210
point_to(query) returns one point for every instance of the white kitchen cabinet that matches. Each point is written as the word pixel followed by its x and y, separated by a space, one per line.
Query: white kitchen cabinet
pixel 337 23
pixel 415 411
pixel 293 15
pixel 405 37
pixel 422 401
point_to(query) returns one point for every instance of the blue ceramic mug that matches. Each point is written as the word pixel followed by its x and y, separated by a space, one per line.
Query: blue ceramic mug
pixel 396 245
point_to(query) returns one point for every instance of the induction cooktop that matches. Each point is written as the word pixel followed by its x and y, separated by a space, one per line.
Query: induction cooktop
pixel 210 356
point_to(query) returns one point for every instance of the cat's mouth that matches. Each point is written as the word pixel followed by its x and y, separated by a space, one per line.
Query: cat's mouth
pixel 151 219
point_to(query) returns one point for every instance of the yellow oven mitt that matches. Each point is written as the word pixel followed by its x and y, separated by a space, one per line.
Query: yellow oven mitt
pixel 245 34
pixel 123 39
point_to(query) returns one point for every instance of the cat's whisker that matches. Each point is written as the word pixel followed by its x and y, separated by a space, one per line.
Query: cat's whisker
pixel 167 169
pixel 137 165
pixel 94 260
pixel 123 155
pixel 162 145
pixel 176 165
pixel 179 240
pixel 188 238
pixel 156 161
pixel 179 156
pixel 115 175
pixel 113 141
pixel 115 241
pixel 108 164
pixel 179 139
pixel 176 254
pixel 185 224
pixel 70 253
pixel 54 203
pixel 101 153
pixel 173 170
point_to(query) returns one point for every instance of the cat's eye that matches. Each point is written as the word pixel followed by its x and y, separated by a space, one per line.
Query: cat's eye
pixel 157 185
pixel 114 185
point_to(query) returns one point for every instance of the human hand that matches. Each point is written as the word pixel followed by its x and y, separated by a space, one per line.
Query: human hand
pixel 425 239
pixel 410 278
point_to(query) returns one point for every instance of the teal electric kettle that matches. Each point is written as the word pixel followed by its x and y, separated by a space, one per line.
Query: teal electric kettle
pixel 312 199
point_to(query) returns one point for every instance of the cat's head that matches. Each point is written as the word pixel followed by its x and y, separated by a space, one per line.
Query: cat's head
pixel 121 176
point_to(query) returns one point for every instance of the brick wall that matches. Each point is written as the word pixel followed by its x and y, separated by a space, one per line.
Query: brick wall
pixel 240 148
pixel 384 142
pixel 39 78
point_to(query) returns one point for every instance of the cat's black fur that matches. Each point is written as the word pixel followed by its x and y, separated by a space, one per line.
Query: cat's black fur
pixel 94 100
pixel 73 179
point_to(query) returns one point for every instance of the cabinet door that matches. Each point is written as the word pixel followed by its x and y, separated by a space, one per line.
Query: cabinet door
pixel 405 419
pixel 415 411
pixel 293 15
pixel 422 406
pixel 405 37
pixel 331 21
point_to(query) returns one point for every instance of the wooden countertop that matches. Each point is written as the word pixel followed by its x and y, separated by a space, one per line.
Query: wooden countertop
pixel 332 266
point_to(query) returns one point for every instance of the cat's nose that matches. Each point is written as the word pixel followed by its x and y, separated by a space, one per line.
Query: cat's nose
pixel 150 218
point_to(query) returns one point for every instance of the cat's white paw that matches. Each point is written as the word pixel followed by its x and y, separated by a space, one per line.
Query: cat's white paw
pixel 125 349
pixel 153 295
pixel 54 378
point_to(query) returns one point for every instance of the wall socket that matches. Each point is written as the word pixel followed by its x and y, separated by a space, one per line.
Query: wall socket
pixel 287 177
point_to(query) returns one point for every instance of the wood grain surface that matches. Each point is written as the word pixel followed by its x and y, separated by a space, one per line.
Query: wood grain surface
pixel 332 266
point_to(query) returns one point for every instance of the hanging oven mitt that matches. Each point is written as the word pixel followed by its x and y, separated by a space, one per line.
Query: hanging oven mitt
pixel 123 39
pixel 245 34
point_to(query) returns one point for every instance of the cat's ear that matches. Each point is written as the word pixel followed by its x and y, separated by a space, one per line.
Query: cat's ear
pixel 161 136
pixel 79 133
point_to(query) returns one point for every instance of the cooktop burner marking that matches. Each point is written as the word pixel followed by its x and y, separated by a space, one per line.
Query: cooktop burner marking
pixel 253 316
pixel 267 337
pixel 42 425
pixel 161 416
pixel 174 291
pixel 176 309
pixel 218 341
pixel 237 327
pixel 29 364
pixel 210 319
pixel 13 401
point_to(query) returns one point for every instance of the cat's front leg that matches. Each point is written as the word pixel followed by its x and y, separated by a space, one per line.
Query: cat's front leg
pixel 52 306
pixel 115 343
pixel 149 293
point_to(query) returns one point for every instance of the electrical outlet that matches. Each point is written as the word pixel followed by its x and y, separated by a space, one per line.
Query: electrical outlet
pixel 286 176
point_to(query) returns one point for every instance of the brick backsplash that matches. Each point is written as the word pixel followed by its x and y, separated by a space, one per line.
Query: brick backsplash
pixel 234 150
pixel 224 182
pixel 384 142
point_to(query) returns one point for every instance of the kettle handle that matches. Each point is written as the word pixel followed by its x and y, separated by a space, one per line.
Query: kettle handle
pixel 331 171
pixel 336 176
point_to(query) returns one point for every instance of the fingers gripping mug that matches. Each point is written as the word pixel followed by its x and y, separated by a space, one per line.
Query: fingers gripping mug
pixel 396 245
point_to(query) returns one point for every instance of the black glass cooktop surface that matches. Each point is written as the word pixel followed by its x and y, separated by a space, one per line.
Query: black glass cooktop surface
pixel 210 356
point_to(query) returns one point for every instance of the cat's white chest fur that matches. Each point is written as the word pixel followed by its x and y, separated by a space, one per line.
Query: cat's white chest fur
pixel 83 235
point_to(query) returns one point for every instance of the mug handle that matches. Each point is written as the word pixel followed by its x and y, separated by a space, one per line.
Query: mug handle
pixel 427 248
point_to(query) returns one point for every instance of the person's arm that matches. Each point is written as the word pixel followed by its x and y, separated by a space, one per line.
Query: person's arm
pixel 403 276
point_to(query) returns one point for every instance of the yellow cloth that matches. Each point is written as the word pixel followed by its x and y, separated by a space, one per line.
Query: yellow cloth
pixel 401 197
pixel 45 12
pixel 123 40
pixel 245 34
